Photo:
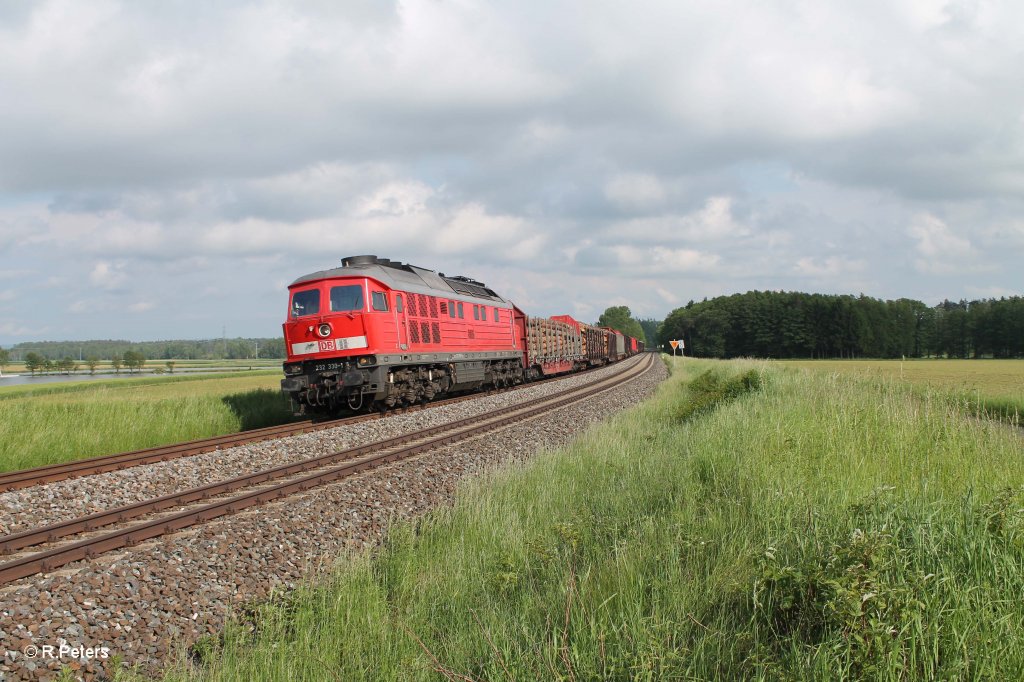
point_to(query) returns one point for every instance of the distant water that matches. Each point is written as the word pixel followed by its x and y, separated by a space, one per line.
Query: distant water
pixel 25 379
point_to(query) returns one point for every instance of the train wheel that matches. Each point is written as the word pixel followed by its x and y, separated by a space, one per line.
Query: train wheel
pixel 355 405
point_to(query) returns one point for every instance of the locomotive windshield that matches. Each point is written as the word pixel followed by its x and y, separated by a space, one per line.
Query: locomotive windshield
pixel 346 298
pixel 305 303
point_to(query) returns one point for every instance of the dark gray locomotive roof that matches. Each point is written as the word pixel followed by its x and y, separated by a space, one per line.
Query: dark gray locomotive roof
pixel 405 277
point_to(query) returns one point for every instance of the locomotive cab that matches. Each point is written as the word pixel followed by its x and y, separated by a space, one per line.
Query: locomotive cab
pixel 327 317
pixel 330 322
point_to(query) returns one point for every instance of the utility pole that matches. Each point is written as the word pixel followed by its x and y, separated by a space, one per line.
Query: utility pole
pixel 257 341
pixel 224 336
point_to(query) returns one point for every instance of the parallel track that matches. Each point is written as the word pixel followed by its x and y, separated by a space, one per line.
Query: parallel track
pixel 26 478
pixel 324 469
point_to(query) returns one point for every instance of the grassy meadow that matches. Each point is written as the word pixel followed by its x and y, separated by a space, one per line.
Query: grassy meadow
pixel 49 423
pixel 993 378
pixel 751 521
pixel 104 367
pixel 995 387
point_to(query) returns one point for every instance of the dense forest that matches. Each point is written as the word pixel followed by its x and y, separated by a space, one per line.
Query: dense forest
pixel 755 324
pixel 795 325
pixel 207 349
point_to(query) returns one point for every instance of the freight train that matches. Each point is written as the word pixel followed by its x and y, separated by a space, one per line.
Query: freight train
pixel 375 334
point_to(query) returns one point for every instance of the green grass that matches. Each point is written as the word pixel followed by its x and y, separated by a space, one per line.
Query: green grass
pixel 56 423
pixel 991 387
pixel 795 526
pixel 126 384
pixel 993 378
pixel 160 364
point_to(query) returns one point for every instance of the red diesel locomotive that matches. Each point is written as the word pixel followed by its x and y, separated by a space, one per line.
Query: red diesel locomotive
pixel 377 333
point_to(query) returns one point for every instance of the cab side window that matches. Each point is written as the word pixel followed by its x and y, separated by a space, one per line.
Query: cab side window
pixel 460 310
pixel 380 301
pixel 306 303
pixel 347 298
pixel 398 302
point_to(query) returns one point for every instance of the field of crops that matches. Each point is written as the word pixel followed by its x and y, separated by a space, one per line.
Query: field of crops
pixel 58 422
pixel 991 387
pixel 990 378
pixel 753 521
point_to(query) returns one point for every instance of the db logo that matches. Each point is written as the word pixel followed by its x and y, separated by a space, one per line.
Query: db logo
pixel 327 345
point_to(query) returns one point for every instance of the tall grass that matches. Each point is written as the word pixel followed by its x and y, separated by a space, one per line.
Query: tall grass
pixel 127 384
pixel 60 425
pixel 804 526
pixel 994 388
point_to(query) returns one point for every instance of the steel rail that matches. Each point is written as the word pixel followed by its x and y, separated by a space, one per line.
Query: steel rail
pixel 26 478
pixel 357 461
pixel 50 533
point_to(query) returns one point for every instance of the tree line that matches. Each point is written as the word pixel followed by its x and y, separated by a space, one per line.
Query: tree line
pixel 205 349
pixel 797 325
pixel 131 360
pixel 621 318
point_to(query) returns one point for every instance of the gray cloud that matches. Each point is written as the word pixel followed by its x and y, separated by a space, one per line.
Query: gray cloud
pixel 170 168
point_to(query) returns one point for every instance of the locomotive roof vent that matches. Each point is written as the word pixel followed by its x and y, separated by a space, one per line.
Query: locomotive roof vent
pixel 468 280
pixel 468 285
pixel 356 261
pixel 352 261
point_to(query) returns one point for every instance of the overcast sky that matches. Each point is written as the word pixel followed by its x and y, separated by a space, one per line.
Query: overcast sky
pixel 166 169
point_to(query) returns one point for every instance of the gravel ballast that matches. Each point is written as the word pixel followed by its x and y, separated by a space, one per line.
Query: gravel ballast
pixel 140 603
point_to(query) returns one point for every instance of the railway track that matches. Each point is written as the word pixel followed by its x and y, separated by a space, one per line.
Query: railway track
pixel 26 478
pixel 218 499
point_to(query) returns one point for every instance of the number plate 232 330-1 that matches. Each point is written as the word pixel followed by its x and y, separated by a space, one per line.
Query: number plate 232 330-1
pixel 327 345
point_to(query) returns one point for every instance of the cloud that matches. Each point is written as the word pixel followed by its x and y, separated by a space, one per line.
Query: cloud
pixel 377 213
pixel 712 222
pixel 941 251
pixel 177 156
pixel 471 229
pixel 629 260
pixel 108 276
pixel 667 296
pixel 16 330
pixel 635 190
pixel 1004 233
pixel 830 266
pixel 83 306
pixel 260 89
pixel 992 292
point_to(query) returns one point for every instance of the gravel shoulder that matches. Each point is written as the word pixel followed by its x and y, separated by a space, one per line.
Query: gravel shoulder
pixel 143 604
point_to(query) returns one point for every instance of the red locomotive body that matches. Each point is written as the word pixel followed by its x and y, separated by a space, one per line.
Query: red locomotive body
pixel 374 333
pixel 379 333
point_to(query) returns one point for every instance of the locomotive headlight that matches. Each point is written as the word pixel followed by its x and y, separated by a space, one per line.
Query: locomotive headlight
pixel 324 330
pixel 366 360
